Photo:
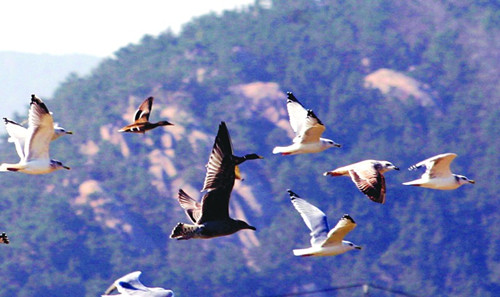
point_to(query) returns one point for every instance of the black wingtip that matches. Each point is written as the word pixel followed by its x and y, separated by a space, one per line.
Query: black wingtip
pixel 292 194
pixel 291 97
pixel 348 217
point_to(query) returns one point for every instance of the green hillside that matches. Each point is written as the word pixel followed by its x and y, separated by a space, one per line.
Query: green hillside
pixel 390 81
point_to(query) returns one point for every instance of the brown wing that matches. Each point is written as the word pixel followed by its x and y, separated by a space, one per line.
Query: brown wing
pixel 142 113
pixel 190 206
pixel 370 182
pixel 220 166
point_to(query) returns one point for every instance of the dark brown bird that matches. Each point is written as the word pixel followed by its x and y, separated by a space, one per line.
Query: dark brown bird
pixel 141 119
pixel 211 216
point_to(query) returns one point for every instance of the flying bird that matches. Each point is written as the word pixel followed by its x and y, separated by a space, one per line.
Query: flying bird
pixel 324 242
pixel 130 285
pixel 33 149
pixel 368 176
pixel 438 174
pixel 308 129
pixel 18 133
pixel 210 218
pixel 4 239
pixel 141 122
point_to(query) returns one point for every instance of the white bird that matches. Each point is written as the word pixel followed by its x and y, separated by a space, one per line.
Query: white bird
pixel 368 176
pixel 308 129
pixel 130 285
pixel 34 154
pixel 18 133
pixel 438 174
pixel 324 242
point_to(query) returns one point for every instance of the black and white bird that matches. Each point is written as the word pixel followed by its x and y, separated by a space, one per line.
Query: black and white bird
pixel 308 130
pixel 210 218
pixel 130 285
pixel 438 174
pixel 141 122
pixel 368 176
pixel 324 242
pixel 33 149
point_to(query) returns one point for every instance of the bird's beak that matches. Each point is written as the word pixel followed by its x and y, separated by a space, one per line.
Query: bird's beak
pixel 66 167
pixel 252 228
pixel 472 181
pixel 396 168
pixel 358 247
pixel 338 145
pixel 69 132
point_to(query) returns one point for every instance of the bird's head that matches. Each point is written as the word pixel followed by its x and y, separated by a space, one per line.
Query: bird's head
pixel 462 180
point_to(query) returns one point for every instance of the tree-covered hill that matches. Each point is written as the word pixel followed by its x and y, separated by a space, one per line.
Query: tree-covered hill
pixel 390 81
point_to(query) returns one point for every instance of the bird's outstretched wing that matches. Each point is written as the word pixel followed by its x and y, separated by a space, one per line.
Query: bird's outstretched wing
pixel 314 218
pixel 371 182
pixel 337 234
pixel 17 135
pixel 220 166
pixel 142 113
pixel 40 130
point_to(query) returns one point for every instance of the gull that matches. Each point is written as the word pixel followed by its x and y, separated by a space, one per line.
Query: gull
pixel 368 176
pixel 210 218
pixel 324 242
pixel 34 155
pixel 308 129
pixel 18 133
pixel 130 285
pixel 141 122
pixel 438 174
pixel 4 239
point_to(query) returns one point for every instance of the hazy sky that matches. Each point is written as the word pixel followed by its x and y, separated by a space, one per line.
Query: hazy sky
pixel 95 27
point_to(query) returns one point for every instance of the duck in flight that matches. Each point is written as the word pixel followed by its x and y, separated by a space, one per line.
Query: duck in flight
pixel 308 130
pixel 368 176
pixel 211 218
pixel 438 174
pixel 141 122
pixel 33 149
pixel 324 242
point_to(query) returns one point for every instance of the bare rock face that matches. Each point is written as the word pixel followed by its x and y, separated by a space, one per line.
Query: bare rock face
pixel 397 85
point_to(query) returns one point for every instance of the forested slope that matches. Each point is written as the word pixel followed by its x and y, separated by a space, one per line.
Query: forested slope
pixel 389 81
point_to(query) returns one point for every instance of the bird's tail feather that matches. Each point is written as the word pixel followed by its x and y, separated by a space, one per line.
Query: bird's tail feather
pixel 183 231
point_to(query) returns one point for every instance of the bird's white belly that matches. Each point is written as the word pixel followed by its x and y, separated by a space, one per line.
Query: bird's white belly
pixel 321 251
pixel 446 183
pixel 37 167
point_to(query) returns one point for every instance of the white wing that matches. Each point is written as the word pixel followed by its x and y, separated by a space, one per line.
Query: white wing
pixel 337 234
pixel 314 218
pixel 17 135
pixel 130 283
pixel 437 166
pixel 311 129
pixel 305 124
pixel 40 130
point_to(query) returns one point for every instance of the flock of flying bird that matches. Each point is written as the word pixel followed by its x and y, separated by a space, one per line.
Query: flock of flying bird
pixel 210 217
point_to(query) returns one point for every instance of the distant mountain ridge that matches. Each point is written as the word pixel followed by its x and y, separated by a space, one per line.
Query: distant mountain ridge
pixel 22 74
